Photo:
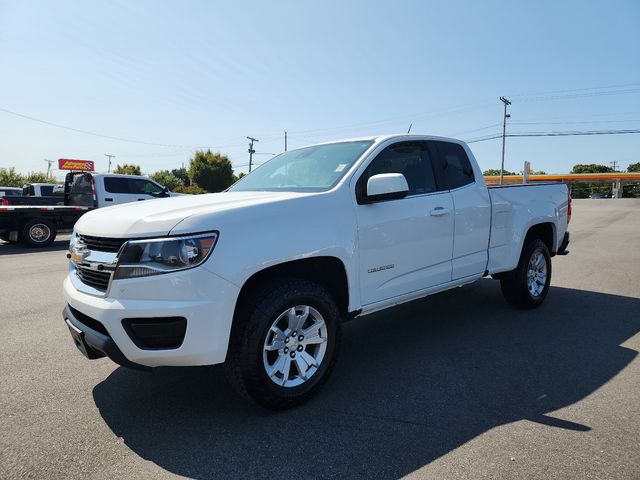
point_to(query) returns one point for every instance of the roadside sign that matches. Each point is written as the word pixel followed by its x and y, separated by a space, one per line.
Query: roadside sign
pixel 70 164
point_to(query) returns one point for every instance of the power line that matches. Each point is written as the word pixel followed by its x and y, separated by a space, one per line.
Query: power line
pixel 110 137
pixel 554 134
pixel 634 84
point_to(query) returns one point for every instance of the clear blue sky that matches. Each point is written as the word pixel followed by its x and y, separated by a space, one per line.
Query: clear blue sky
pixel 209 73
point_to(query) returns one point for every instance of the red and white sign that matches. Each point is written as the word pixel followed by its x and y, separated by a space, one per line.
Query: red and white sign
pixel 70 164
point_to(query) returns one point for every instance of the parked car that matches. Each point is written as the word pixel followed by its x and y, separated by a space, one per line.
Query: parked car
pixel 38 194
pixel 42 189
pixel 261 276
pixel 10 191
pixel 35 220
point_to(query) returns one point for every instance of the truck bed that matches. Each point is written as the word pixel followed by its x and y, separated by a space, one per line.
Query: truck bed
pixel 514 209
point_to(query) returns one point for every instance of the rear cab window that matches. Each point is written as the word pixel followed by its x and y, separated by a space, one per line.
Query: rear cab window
pixel 80 190
pixel 454 164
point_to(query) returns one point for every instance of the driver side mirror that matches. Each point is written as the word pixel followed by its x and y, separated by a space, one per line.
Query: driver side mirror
pixel 386 186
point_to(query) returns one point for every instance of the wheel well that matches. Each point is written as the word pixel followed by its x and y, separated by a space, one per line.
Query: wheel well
pixel 543 231
pixel 326 271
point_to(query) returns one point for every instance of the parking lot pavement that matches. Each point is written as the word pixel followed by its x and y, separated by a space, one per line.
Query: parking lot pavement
pixel 459 385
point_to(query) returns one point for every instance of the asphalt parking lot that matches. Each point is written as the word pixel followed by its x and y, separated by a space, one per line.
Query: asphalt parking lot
pixel 459 385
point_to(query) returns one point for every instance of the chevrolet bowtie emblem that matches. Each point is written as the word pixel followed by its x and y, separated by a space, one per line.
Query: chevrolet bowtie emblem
pixel 78 254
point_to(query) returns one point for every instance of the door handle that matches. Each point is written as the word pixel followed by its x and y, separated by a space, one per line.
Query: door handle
pixel 439 211
pixel 141 199
pixel 108 199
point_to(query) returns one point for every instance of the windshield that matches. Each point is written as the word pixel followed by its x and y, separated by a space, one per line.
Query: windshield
pixel 310 169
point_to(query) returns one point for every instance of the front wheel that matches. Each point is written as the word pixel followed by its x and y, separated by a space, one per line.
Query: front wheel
pixel 6 238
pixel 527 286
pixel 284 344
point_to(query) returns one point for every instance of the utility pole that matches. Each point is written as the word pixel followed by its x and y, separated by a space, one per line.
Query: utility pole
pixel 48 166
pixel 504 134
pixel 251 150
pixel 614 165
pixel 285 140
pixel 110 157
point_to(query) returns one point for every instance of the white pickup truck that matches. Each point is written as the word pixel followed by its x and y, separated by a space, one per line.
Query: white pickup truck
pixel 261 276
pixel 35 220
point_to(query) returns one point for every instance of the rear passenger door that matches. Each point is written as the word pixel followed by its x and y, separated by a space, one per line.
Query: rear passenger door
pixel 472 206
pixel 117 190
pixel 405 244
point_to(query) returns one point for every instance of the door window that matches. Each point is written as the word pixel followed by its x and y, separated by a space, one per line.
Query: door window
pixel 116 185
pixel 411 159
pixel 455 165
pixel 145 187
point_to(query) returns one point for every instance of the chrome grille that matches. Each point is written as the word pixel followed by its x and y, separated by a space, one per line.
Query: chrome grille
pixel 98 279
pixel 102 244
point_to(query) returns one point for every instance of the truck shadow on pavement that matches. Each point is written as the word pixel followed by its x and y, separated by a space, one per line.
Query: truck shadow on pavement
pixel 58 245
pixel 412 384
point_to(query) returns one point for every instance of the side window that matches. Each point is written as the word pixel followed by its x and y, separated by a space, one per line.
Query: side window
pixel 116 184
pixel 411 159
pixel 145 187
pixel 455 165
pixel 46 190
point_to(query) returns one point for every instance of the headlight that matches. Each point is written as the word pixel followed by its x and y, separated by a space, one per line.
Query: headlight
pixel 140 258
pixel 73 240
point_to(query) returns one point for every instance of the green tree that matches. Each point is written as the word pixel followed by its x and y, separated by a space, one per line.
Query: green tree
pixel 591 168
pixel 190 190
pixel 10 178
pixel 211 171
pixel 632 191
pixel 182 174
pixel 586 189
pixel 496 172
pixel 238 177
pixel 538 172
pixel 167 179
pixel 128 169
pixel 39 177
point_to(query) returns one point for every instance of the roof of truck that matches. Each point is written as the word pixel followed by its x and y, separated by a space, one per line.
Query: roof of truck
pixel 403 136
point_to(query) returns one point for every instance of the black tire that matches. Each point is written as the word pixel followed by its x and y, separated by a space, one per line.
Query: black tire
pixel 515 284
pixel 5 237
pixel 38 233
pixel 245 368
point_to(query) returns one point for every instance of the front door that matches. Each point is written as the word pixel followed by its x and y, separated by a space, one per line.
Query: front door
pixel 406 244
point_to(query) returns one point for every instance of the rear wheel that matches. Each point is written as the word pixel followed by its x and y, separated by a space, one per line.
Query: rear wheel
pixel 284 344
pixel 38 233
pixel 527 286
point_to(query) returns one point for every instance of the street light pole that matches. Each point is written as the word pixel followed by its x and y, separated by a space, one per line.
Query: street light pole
pixel 109 157
pixel 504 133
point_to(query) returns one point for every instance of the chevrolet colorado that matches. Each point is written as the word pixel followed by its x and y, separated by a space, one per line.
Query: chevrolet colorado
pixel 261 276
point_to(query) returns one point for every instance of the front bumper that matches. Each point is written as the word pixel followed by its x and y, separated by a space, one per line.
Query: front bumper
pixel 94 344
pixel 204 299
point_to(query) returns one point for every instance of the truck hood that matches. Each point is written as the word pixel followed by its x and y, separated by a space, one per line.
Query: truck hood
pixel 158 217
